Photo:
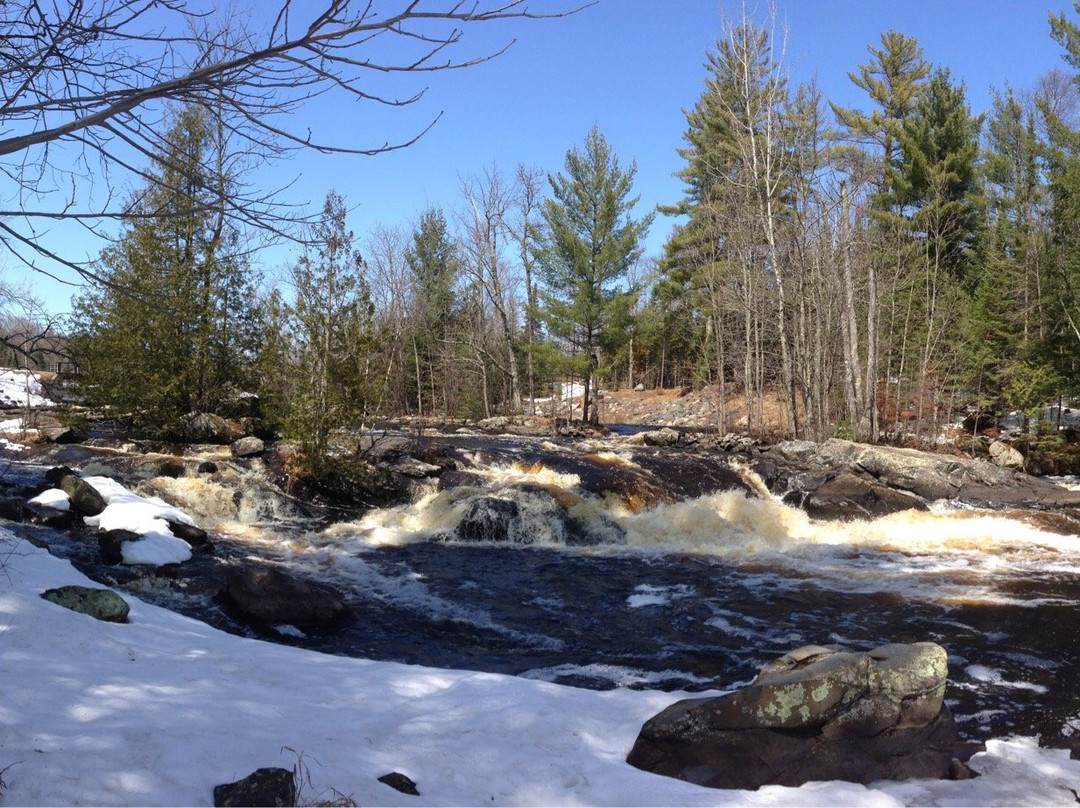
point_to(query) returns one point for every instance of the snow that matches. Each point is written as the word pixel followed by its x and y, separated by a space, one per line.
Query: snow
pixel 160 710
pixel 126 510
pixel 53 498
pixel 21 388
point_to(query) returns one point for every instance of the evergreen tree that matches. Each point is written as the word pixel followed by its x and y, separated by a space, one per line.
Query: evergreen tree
pixel 938 176
pixel 893 79
pixel 589 244
pixel 331 333
pixel 435 267
pixel 173 326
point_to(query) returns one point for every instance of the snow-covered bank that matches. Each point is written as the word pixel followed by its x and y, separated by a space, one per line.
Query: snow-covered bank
pixel 22 388
pixel 160 710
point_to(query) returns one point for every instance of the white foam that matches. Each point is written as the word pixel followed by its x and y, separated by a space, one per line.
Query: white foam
pixel 618 675
pixel 646 595
pixel 982 673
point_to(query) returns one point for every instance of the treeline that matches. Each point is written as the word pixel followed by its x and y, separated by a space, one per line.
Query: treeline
pixel 881 267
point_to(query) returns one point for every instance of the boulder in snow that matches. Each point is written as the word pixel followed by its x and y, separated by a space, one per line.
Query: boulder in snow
pixel 400 782
pixel 817 713
pixel 85 499
pixel 268 786
pixel 101 604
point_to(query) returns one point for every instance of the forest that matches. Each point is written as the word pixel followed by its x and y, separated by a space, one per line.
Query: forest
pixel 883 269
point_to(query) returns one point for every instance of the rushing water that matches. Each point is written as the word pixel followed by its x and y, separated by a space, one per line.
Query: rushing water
pixel 609 568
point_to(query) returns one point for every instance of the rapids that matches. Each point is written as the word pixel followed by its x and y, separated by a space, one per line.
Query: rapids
pixel 610 565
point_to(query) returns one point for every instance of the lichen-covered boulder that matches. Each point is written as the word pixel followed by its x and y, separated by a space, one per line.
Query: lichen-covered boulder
pixel 101 604
pixel 817 713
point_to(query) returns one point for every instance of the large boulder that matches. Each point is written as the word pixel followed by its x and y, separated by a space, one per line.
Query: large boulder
pixel 249 446
pixel 817 713
pixel 1006 456
pixel 204 427
pixel 488 519
pixel 661 437
pixel 101 604
pixel 846 496
pixel 85 499
pixel 268 597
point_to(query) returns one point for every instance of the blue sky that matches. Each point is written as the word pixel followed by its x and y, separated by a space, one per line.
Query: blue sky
pixel 629 67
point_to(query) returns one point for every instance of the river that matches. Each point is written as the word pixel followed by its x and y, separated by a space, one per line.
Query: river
pixel 603 566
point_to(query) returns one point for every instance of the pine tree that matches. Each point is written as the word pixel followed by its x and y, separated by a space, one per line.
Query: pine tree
pixel 435 267
pixel 589 244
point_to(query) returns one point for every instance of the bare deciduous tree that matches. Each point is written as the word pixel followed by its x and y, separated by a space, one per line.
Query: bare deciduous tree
pixel 85 87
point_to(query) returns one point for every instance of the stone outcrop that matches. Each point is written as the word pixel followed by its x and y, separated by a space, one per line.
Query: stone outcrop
pixel 101 604
pixel 798 469
pixel 817 713
pixel 269 786
pixel 269 597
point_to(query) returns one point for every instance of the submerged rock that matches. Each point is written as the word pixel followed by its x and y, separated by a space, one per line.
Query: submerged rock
pixel 269 597
pixel 488 519
pixel 817 713
pixel 101 604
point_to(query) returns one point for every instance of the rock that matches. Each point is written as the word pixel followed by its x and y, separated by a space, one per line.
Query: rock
pixel 195 536
pixel 925 475
pixel 268 597
pixel 85 499
pixel 1006 456
pixel 248 447
pixel 639 388
pixel 101 604
pixel 202 427
pixel 59 434
pixel 37 514
pixel 849 497
pixel 207 467
pixel 269 786
pixel 817 713
pixel 661 437
pixel 400 782
pixel 111 542
pixel 11 508
pixel 496 423
pixel 488 519
pixel 411 467
pixel 57 473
